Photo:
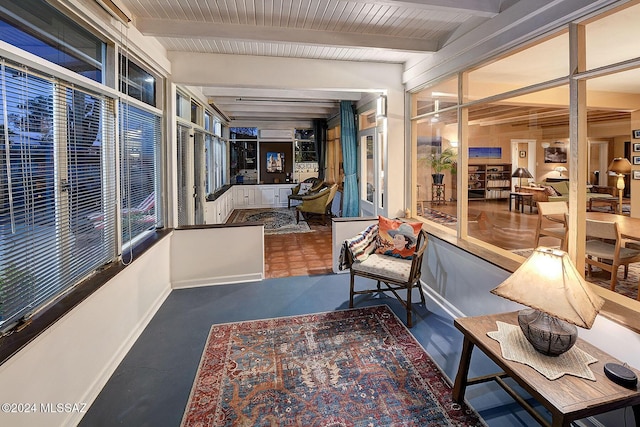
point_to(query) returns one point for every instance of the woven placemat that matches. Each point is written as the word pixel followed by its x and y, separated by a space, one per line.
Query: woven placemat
pixel 515 347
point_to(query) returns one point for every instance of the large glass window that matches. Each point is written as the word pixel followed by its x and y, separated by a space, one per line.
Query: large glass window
pixel 37 27
pixel 57 178
pixel 516 115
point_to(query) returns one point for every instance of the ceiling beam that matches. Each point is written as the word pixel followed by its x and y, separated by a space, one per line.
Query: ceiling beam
pixel 484 8
pixel 249 92
pixel 209 30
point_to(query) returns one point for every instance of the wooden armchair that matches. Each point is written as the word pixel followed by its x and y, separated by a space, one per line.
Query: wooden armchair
pixel 390 273
pixel 316 185
pixel 604 249
pixel 318 203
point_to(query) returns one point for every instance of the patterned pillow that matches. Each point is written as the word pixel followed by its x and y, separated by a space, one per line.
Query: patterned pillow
pixel 397 238
pixel 551 191
pixel 304 188
pixel 363 244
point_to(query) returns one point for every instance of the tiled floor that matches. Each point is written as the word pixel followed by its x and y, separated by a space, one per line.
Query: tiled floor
pixel 299 254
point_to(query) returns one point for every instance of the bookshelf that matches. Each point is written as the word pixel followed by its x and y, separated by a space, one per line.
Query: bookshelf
pixel 489 181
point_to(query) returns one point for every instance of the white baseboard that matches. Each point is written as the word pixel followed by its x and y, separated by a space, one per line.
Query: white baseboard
pixel 222 280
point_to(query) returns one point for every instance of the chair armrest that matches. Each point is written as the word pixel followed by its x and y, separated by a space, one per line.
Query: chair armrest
pixel 315 195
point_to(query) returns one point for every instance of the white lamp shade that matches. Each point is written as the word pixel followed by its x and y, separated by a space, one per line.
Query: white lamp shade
pixel 549 282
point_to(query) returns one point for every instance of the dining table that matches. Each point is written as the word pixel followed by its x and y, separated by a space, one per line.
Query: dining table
pixel 629 227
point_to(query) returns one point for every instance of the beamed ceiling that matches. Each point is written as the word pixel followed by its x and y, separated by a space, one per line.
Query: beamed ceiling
pixel 387 31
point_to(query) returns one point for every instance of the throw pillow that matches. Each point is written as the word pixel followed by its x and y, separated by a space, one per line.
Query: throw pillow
pixel 363 245
pixel 397 238
pixel 551 191
pixel 304 188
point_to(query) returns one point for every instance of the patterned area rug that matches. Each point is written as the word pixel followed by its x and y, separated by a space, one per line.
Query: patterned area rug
pixel 276 221
pixel 358 367
pixel 627 287
pixel 438 217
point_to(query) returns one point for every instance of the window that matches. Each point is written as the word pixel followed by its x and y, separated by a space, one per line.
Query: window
pixel 136 82
pixel 57 179
pixel 38 28
pixel 140 135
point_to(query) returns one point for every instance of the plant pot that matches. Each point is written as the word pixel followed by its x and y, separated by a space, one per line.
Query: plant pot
pixel 437 178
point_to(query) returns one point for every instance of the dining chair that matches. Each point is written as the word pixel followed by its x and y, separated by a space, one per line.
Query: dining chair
pixel 605 249
pixel 552 222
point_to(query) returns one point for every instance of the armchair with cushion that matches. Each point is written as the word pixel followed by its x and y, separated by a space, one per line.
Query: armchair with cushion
pixel 305 188
pixel 318 203
pixel 364 256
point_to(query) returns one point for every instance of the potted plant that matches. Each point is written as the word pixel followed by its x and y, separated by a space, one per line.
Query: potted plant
pixel 440 162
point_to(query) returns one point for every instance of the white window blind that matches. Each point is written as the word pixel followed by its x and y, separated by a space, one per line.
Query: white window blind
pixel 57 177
pixel 184 193
pixel 140 138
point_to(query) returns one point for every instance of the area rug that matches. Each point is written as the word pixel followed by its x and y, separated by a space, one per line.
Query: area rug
pixel 438 217
pixel 276 220
pixel 627 287
pixel 358 367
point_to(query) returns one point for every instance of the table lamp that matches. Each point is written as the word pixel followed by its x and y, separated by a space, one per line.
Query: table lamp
pixel 521 173
pixel 558 297
pixel 560 169
pixel 620 166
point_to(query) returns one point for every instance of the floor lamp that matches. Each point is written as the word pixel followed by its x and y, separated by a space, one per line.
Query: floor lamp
pixel 620 167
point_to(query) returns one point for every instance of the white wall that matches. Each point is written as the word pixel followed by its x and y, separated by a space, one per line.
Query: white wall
pixel 72 360
pixel 210 256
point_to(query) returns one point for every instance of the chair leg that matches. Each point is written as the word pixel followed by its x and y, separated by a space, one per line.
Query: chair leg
pixel 421 292
pixel 351 289
pixel 614 277
pixel 409 320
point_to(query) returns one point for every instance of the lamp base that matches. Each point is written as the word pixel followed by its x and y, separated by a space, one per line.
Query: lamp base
pixel 547 334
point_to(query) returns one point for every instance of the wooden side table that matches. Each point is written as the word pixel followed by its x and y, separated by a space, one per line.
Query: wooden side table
pixel 520 199
pixel 437 194
pixel 567 398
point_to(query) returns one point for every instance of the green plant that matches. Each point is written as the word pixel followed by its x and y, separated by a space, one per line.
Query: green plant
pixel 442 161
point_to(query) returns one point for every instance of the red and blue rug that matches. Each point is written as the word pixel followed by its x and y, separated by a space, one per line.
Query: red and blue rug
pixel 358 367
pixel 438 217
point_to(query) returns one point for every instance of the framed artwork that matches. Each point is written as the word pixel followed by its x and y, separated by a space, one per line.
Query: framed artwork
pixel 636 174
pixel 523 153
pixel 555 155
pixel 275 162
pixel 636 133
pixel 636 160
pixel 636 147
pixel 485 152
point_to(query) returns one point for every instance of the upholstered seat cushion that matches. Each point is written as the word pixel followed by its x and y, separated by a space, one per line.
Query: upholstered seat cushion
pixel 385 265
pixel 600 249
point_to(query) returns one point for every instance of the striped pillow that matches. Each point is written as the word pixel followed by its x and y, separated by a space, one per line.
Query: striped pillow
pixel 364 243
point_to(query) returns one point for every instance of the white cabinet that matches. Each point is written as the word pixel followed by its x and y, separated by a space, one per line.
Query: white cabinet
pixel 283 196
pixel 218 211
pixel 261 196
pixel 244 196
pixel 267 195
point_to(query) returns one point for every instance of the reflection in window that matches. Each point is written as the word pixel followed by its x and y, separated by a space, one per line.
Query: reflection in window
pixel 40 29
pixel 136 82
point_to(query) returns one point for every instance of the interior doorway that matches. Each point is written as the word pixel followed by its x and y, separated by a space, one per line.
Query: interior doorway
pixel 523 154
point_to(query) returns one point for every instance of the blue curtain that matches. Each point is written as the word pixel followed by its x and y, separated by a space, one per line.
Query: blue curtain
pixel 351 197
